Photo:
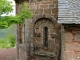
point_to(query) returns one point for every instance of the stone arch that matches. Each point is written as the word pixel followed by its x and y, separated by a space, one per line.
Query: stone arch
pixel 38 41
pixel 53 33
pixel 44 16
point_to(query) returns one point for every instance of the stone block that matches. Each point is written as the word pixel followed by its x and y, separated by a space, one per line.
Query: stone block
pixel 55 1
pixel 77 55
pixel 44 6
pixel 72 46
pixel 77 37
pixel 47 11
pixel 47 2
pixel 39 0
pixel 51 6
pixel 55 16
pixel 68 37
pixel 69 56
pixel 55 10
pixel 22 53
pixel 39 11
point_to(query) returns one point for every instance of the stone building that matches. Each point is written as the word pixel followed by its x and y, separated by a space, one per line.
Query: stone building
pixel 53 33
pixel 69 17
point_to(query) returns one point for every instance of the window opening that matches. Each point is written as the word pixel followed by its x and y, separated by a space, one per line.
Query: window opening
pixel 45 37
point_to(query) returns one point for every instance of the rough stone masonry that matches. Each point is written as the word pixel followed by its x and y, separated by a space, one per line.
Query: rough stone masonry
pixel 42 38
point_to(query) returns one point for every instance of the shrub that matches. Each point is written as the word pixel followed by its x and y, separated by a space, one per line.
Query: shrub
pixel 9 42
pixel 12 40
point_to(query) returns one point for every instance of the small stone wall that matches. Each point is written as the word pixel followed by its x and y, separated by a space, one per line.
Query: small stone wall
pixel 22 52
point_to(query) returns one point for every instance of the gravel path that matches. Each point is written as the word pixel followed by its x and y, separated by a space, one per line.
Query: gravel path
pixel 8 54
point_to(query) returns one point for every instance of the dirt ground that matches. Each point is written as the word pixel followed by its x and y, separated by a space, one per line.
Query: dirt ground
pixel 8 54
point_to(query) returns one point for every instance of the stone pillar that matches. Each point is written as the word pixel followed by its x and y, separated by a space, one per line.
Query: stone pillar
pixel 19 29
pixel 62 42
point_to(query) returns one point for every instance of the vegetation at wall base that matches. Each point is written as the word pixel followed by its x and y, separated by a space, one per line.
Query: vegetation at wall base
pixel 9 42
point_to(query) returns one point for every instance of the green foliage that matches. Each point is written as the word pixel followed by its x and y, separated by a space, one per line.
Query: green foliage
pixel 26 13
pixel 6 21
pixel 9 42
pixel 12 40
pixel 2 43
pixel 5 7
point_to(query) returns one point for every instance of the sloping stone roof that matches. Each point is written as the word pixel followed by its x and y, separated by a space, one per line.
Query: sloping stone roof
pixel 69 11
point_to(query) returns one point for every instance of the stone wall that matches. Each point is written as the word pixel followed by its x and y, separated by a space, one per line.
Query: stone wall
pixel 71 48
pixel 47 9
pixel 42 9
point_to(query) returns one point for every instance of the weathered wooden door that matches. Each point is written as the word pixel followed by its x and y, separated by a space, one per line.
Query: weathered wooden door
pixel 46 40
